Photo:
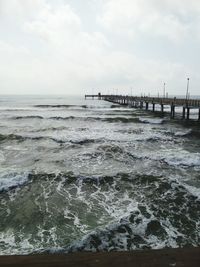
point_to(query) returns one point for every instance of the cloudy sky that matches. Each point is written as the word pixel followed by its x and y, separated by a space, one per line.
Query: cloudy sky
pixel 81 46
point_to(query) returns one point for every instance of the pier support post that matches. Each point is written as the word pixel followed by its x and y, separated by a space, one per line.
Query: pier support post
pixel 141 104
pixel 162 108
pixel 153 107
pixel 199 115
pixel 188 113
pixel 172 111
pixel 183 115
pixel 147 105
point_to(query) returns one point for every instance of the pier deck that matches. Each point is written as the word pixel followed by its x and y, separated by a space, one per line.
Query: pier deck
pixel 186 257
pixel 145 102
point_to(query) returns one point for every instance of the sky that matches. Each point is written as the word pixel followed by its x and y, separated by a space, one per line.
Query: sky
pixel 111 46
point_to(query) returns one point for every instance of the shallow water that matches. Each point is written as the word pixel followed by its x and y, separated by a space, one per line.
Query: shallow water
pixel 80 174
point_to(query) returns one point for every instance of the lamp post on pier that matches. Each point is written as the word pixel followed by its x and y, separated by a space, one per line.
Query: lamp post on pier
pixel 187 91
pixel 164 90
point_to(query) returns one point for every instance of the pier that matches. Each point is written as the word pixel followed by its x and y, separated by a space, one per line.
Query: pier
pixel 149 103
pixel 184 257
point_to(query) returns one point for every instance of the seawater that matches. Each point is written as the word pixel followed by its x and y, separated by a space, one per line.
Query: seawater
pixel 86 175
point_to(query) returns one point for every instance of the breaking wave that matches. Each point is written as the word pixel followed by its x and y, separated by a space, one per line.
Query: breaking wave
pixel 27 117
pixel 19 138
pixel 103 119
pixel 151 120
pixel 149 225
pixel 60 106
pixel 12 180
pixel 138 218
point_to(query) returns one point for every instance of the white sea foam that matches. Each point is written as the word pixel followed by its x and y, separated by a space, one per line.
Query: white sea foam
pixel 12 180
pixel 151 120
pixel 11 247
pixel 182 133
pixel 176 157
pixel 193 190
pixel 111 237
pixel 183 158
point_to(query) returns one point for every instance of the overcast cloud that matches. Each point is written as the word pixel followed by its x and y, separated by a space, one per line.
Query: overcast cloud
pixel 73 46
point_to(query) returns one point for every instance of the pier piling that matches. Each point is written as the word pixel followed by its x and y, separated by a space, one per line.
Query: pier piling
pixel 188 113
pixel 183 114
pixel 162 108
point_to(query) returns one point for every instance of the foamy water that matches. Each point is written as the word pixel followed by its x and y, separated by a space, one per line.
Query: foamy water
pixel 84 175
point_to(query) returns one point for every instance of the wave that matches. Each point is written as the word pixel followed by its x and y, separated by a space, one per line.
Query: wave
pixel 136 208
pixel 19 138
pixel 151 120
pixel 131 131
pixel 193 134
pixel 178 158
pixel 134 120
pixel 62 118
pixel 51 129
pixel 186 160
pixel 121 119
pixel 115 106
pixel 103 119
pixel 16 109
pixel 175 158
pixel 57 118
pixel 41 118
pixel 27 117
pixel 12 181
pixel 183 133
pixel 60 106
pixel 151 224
pixel 5 137
pixel 189 133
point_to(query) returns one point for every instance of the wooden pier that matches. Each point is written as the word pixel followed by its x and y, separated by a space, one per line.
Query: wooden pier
pixel 184 257
pixel 144 102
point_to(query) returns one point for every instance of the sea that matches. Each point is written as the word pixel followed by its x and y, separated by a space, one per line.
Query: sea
pixel 89 175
